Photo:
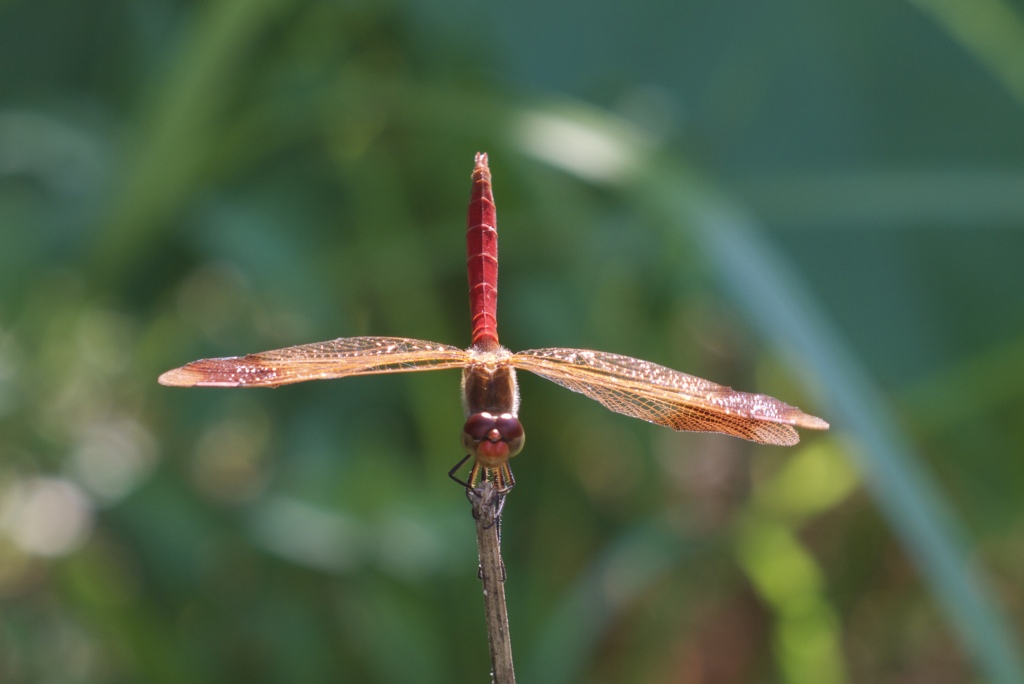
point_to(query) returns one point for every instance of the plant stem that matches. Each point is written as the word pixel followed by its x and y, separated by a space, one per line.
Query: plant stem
pixel 486 502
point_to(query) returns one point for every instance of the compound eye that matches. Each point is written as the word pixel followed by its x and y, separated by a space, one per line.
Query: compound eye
pixel 478 426
pixel 509 426
pixel 512 432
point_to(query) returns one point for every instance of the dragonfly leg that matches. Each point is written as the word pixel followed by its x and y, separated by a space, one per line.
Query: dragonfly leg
pixel 498 504
pixel 470 484
pixel 451 473
pixel 505 480
pixel 474 475
pixel 500 477
pixel 498 508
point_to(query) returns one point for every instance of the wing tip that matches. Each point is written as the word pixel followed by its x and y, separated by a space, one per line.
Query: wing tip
pixel 809 422
pixel 189 376
pixel 179 377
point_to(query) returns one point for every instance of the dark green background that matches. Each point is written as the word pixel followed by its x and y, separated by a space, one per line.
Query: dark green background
pixel 820 201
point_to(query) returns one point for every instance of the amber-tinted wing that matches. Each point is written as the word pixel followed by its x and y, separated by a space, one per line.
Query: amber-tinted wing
pixel 318 361
pixel 657 394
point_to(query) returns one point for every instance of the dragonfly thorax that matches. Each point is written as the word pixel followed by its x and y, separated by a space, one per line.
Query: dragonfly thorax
pixel 489 384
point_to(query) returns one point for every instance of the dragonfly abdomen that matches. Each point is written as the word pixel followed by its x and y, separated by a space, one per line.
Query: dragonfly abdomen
pixel 482 258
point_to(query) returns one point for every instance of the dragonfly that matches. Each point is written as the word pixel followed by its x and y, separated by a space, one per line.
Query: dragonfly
pixel 492 433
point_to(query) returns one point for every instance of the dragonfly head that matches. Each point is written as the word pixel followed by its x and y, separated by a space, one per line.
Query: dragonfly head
pixel 493 439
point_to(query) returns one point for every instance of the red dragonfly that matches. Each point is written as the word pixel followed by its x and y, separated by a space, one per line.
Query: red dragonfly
pixel 492 433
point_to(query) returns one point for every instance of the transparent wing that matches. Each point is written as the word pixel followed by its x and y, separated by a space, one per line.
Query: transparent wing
pixel 318 361
pixel 657 394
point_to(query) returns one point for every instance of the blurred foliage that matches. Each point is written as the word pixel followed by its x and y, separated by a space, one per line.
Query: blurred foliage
pixel 818 202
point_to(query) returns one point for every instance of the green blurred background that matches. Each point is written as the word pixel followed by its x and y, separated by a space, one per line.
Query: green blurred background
pixel 818 201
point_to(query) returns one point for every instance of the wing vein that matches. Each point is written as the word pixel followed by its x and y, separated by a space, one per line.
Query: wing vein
pixel 660 395
pixel 343 357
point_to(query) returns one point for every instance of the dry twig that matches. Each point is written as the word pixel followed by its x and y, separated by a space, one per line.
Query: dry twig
pixel 486 510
